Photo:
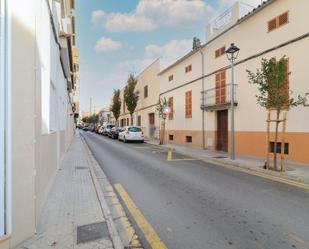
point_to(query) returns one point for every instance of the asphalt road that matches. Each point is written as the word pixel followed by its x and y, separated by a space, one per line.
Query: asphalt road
pixel 192 204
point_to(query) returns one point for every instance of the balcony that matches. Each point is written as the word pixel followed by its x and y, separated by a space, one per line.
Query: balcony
pixel 218 98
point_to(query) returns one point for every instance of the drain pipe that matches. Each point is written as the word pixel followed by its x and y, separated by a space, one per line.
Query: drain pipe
pixel 203 99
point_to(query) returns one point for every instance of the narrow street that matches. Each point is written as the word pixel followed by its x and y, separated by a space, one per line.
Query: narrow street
pixel 191 204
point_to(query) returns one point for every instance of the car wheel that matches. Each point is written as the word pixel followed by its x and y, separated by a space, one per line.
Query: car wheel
pixel 142 141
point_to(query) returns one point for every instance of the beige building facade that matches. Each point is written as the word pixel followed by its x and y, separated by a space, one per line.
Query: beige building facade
pixel 198 85
pixel 145 114
pixel 37 117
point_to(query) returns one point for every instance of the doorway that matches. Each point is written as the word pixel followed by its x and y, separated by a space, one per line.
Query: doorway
pixel 222 130
pixel 151 118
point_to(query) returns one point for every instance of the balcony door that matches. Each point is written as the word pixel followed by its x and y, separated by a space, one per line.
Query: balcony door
pixel 222 130
pixel 221 87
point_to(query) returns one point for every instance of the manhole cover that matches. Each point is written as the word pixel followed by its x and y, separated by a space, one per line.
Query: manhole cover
pixel 92 232
pixel 81 167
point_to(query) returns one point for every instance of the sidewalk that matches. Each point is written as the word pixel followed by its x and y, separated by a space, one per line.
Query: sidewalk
pixel 74 216
pixel 294 171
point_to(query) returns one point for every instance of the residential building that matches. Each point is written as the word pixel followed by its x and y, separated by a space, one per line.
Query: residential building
pixel 200 95
pixel 145 114
pixel 36 119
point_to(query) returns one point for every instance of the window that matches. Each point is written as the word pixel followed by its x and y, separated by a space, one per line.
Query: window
pixel 171 77
pixel 189 139
pixel 170 137
pixel 171 106
pixel 278 21
pixel 219 52
pixel 220 87
pixel 145 91
pixel 188 68
pixel 139 120
pixel 135 129
pixel 188 104
pixel 286 147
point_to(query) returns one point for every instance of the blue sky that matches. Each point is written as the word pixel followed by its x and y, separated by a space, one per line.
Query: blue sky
pixel 118 37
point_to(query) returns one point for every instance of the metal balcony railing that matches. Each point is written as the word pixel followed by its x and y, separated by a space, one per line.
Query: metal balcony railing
pixel 218 98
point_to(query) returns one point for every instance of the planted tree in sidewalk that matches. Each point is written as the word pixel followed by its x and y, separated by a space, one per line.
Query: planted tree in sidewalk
pixel 160 109
pixel 116 105
pixel 272 81
pixel 130 95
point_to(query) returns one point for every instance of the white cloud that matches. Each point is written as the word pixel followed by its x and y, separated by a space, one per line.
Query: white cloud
pixel 169 52
pixel 107 45
pixel 152 14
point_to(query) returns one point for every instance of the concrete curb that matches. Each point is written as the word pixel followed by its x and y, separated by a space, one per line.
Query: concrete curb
pixel 275 176
pixel 117 243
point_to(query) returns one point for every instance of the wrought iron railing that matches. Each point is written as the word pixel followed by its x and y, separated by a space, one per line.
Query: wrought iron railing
pixel 218 97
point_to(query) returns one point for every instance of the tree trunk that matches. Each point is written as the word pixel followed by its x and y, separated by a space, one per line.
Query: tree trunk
pixel 276 140
pixel 162 133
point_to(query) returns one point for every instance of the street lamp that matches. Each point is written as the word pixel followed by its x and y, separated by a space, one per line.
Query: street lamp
pixel 232 54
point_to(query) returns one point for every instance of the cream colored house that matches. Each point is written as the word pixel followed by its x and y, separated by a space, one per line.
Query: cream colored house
pixel 36 118
pixel 200 95
pixel 145 114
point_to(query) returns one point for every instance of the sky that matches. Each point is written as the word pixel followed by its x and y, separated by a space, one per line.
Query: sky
pixel 119 37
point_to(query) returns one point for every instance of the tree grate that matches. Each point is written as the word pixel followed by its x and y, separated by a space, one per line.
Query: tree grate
pixel 91 232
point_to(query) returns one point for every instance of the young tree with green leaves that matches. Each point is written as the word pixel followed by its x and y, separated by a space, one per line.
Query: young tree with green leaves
pixel 160 109
pixel 196 44
pixel 130 95
pixel 272 81
pixel 116 105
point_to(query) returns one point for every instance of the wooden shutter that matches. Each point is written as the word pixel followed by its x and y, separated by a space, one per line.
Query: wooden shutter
pixel 272 24
pixel 171 106
pixel 283 19
pixel 188 104
pixel 217 53
pixel 222 51
pixel 221 87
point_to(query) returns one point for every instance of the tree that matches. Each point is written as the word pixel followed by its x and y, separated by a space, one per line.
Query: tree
pixel 116 105
pixel 85 119
pixel 160 109
pixel 196 45
pixel 274 93
pixel 130 95
pixel 93 119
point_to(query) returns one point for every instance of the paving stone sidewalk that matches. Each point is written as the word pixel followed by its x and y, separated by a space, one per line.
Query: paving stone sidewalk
pixel 72 202
pixel 294 171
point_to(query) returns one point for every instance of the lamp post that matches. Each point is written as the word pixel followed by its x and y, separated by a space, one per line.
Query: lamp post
pixel 232 54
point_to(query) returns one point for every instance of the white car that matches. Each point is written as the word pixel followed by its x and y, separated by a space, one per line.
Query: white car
pixel 131 133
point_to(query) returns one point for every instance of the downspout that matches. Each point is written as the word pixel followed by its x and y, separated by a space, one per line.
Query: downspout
pixel 203 88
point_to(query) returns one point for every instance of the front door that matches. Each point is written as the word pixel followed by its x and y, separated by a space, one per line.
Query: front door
pixel 151 117
pixel 222 130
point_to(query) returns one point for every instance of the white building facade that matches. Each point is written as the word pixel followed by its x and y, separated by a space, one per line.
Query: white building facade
pixel 36 117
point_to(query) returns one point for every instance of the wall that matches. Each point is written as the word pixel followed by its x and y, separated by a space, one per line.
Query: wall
pixel 36 149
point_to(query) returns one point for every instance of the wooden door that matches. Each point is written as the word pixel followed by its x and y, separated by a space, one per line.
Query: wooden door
pixel 222 130
pixel 151 118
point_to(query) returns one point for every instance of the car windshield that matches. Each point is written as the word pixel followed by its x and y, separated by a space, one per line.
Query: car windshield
pixel 134 129
pixel 110 126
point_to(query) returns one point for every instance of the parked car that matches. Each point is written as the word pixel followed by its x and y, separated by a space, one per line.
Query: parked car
pixel 114 132
pixel 100 130
pixel 88 128
pixel 131 133
pixel 107 129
